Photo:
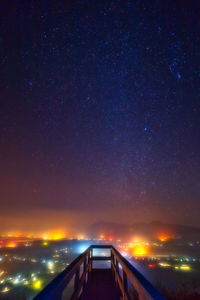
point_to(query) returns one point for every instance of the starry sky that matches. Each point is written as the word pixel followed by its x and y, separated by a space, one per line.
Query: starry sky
pixel 99 112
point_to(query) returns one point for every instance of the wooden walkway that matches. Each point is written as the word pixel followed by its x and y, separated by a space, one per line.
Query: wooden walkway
pixel 101 285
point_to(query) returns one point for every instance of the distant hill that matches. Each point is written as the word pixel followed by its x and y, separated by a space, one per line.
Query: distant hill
pixel 153 230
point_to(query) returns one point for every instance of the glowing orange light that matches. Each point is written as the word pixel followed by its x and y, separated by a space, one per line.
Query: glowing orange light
pixel 57 236
pixel 140 250
pixel 54 236
pixel 151 265
pixel 11 245
pixel 136 239
pixel 17 234
pixel 164 237
pixel 80 237
pixel 102 236
pixel 29 236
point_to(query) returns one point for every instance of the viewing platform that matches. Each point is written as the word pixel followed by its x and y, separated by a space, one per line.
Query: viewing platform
pixel 113 279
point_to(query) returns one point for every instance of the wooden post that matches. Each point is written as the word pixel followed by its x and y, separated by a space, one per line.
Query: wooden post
pixel 84 272
pixel 90 259
pixel 112 261
pixel 117 266
pixel 117 269
pixel 76 281
pixel 125 285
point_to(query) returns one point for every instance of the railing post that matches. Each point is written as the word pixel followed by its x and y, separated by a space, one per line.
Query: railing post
pixel 76 282
pixel 112 260
pixel 125 285
pixel 84 271
pixel 90 259
pixel 117 269
pixel 117 266
pixel 84 265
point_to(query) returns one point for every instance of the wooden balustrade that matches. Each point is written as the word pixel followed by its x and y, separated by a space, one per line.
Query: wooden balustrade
pixel 125 275
pixel 144 289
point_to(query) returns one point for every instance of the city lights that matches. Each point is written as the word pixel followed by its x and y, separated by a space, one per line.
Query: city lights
pixel 37 284
pixel 11 245
pixel 45 243
pixel 137 240
pixel 183 267
pixel 1 272
pixel 164 237
pixel 50 265
pixel 102 237
pixel 140 250
pixel 151 265
pixel 5 289
pixel 44 267
pixel 164 264
pixel 80 237
pixel 54 236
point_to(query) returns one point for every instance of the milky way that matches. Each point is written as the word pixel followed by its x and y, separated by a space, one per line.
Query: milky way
pixel 100 108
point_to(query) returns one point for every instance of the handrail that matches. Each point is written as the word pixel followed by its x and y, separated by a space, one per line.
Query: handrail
pixel 55 288
pixel 143 287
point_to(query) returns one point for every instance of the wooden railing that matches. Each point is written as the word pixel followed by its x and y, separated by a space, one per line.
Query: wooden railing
pixel 126 276
pixel 130 275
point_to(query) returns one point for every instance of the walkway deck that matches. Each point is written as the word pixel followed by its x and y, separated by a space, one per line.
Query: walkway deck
pixel 101 285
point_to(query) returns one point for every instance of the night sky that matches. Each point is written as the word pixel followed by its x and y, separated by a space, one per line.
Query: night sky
pixel 99 112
